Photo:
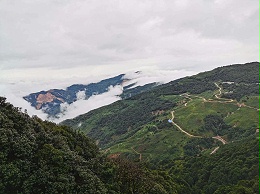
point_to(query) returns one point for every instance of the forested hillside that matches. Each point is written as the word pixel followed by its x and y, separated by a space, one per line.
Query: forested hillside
pixel 186 117
pixel 188 136
pixel 40 157
pixel 234 169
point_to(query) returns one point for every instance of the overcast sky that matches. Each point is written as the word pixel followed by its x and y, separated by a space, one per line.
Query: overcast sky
pixel 48 44
pixel 65 38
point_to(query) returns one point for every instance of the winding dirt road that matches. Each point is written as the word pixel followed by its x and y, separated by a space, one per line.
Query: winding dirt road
pixel 183 131
pixel 140 155
pixel 216 149
pixel 220 139
pixel 220 92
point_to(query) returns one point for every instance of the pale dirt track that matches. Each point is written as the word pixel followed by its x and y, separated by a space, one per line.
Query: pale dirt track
pixel 140 155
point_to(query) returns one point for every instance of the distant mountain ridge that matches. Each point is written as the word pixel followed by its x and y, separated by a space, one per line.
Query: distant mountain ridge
pixel 222 102
pixel 198 134
pixel 50 101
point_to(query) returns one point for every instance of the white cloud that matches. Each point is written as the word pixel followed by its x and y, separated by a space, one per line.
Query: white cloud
pixel 82 106
pixel 15 89
pixel 155 75
pixel 15 98
pixel 48 44
pixel 81 95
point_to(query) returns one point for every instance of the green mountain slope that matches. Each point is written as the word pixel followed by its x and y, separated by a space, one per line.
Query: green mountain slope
pixel 40 157
pixel 190 116
pixel 233 169
pixel 188 136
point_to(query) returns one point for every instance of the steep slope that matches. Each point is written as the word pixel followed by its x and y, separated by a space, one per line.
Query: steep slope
pixel 205 142
pixel 189 116
pixel 40 157
pixel 232 169
pixel 50 101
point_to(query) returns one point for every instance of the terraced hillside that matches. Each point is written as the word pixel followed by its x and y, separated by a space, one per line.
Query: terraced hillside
pixel 197 115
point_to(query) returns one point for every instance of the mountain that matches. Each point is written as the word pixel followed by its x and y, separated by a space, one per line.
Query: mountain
pixel 195 135
pixel 50 101
pixel 41 157
pixel 192 116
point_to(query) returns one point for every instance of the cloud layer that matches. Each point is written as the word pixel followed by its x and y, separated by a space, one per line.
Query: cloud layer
pixel 175 34
pixel 14 91
pixel 55 43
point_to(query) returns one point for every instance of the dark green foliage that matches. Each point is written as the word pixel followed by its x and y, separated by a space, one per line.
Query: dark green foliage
pixel 216 124
pixel 233 169
pixel 237 91
pixel 196 146
pixel 239 73
pixel 41 157
pixel 130 92
pixel 192 85
pixel 133 178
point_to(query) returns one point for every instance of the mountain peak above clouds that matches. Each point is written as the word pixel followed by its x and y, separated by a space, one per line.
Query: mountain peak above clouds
pixel 76 99
pixel 49 101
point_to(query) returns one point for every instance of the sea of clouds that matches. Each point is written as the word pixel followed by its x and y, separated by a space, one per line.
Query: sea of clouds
pixel 15 90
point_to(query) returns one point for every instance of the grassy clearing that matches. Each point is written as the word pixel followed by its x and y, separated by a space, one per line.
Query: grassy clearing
pixel 244 117
pixel 207 94
pixel 251 101
pixel 190 118
pixel 169 143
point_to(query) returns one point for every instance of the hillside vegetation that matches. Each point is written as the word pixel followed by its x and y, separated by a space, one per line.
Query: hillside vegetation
pixel 40 157
pixel 182 137
pixel 186 117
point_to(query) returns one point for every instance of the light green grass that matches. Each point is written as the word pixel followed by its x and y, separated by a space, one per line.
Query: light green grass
pixel 169 143
pixel 244 117
pixel 190 118
pixel 251 101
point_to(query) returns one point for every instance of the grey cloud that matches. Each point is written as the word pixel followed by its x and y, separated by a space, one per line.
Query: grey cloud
pixel 168 33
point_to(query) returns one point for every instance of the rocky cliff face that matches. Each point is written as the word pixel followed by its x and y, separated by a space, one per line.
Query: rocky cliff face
pixel 50 101
pixel 46 98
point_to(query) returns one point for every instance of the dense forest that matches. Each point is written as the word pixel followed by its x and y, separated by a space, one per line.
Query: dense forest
pixel 233 169
pixel 41 157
